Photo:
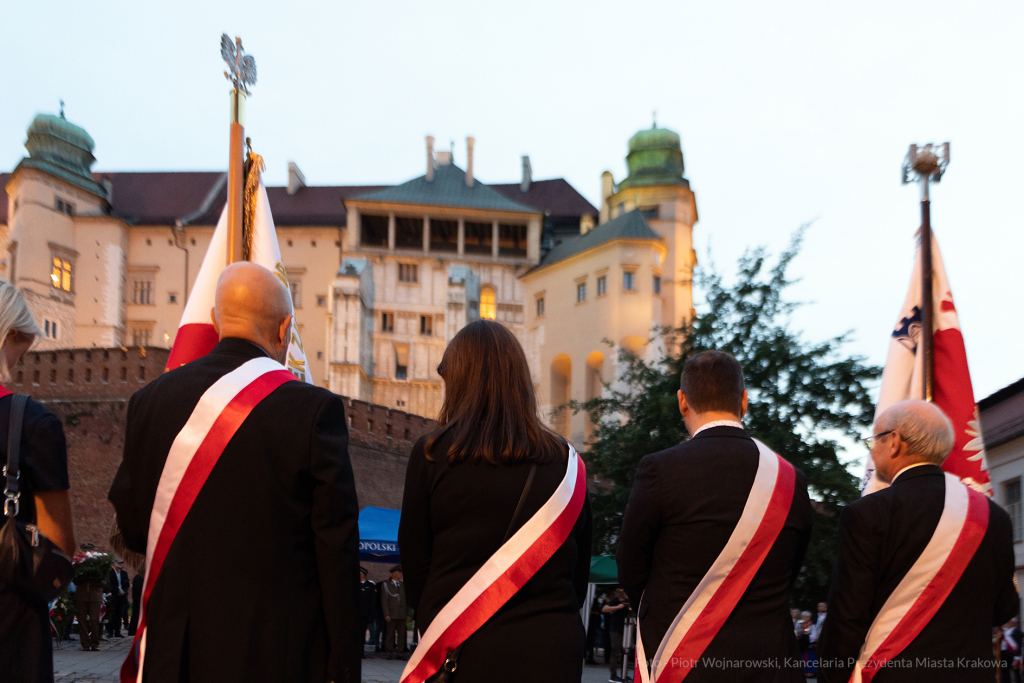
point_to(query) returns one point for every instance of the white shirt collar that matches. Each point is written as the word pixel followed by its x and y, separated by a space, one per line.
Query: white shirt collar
pixel 717 423
pixel 908 467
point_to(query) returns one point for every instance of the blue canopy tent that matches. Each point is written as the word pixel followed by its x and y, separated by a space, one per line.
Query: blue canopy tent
pixel 378 534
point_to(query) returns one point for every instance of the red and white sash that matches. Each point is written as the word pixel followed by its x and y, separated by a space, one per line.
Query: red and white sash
pixel 504 573
pixel 717 594
pixel 193 455
pixel 925 587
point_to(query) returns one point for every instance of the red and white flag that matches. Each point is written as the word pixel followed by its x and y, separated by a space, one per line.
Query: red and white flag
pixel 951 379
pixel 196 336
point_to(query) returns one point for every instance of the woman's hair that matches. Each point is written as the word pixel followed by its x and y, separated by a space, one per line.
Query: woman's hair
pixel 14 315
pixel 489 410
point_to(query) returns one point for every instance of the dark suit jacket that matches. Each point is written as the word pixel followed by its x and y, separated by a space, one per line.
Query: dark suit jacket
pixel 880 537
pixel 685 503
pixel 275 523
pixel 453 519
pixel 118 581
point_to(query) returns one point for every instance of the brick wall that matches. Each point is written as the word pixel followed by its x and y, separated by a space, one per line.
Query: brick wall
pixel 93 414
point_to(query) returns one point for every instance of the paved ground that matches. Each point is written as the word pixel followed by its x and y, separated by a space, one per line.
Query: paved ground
pixel 71 665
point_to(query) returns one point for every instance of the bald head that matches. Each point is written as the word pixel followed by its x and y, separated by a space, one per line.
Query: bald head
pixel 253 304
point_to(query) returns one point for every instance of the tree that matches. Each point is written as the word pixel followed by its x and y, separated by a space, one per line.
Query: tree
pixel 802 395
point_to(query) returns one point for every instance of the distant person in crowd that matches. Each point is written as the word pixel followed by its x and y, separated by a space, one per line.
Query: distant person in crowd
pixel 685 507
pixel 805 628
pixel 819 622
pixel 795 616
pixel 25 643
pixel 283 481
pixel 118 586
pixel 88 601
pixel 593 629
pixel 484 472
pixel 1009 651
pixel 367 596
pixel 606 627
pixel 886 545
pixel 137 583
pixel 396 613
pixel 379 625
pixel 617 608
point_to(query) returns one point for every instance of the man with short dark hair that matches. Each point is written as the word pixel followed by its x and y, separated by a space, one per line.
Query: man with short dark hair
pixel 713 536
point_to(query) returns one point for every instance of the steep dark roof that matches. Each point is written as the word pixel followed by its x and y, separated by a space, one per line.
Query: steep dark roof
pixel 448 188
pixel 1002 415
pixel 627 226
pixel 555 197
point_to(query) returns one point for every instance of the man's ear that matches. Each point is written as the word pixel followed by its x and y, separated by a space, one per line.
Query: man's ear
pixel 213 317
pixel 284 332
pixel 684 407
pixel 743 404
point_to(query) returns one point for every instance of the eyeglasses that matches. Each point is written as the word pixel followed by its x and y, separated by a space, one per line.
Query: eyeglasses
pixel 871 439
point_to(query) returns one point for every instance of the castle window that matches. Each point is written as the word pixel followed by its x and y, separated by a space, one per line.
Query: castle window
pixel 319 355
pixel 373 231
pixel 427 325
pixel 124 374
pixel 140 336
pixel 63 206
pixel 60 275
pixel 142 292
pixel 540 307
pixel 602 285
pixel 387 322
pixel 50 329
pixel 408 233
pixel 53 376
pixel 1012 498
pixel 652 213
pixel 581 292
pixel 478 237
pixel 71 375
pixel 408 272
pixel 629 281
pixel 172 297
pixel 656 284
pixel 321 300
pixel 295 286
pixel 488 310
pixel 88 375
pixel 402 361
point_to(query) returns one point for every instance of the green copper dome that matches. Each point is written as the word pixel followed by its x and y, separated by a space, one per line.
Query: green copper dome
pixel 60 148
pixel 655 158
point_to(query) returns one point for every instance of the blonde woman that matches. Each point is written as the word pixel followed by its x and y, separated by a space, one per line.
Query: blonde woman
pixel 26 652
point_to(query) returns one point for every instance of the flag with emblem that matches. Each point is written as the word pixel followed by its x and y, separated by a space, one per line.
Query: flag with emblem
pixel 196 336
pixel 951 379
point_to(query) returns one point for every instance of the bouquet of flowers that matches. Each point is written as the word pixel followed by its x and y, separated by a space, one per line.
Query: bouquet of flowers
pixel 92 566
pixel 62 614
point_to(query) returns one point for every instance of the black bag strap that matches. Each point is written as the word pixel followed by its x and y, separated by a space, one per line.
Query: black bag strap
pixel 11 493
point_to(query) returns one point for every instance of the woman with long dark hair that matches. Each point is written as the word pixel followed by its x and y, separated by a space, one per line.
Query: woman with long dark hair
pixel 496 526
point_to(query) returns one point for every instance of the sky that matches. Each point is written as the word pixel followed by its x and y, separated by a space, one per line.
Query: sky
pixel 789 112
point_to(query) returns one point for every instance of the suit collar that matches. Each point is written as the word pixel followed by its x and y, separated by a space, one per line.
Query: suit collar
pixel 722 431
pixel 916 472
pixel 239 347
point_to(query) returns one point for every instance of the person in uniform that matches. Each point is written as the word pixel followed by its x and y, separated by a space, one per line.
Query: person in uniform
pixel 396 612
pixel 367 596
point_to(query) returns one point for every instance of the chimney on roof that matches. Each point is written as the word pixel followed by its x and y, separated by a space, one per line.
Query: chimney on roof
pixel 296 180
pixel 524 186
pixel 430 158
pixel 469 161
pixel 607 190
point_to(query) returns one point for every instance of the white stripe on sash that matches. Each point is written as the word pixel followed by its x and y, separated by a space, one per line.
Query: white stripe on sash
pixel 184 447
pixel 496 566
pixel 945 536
pixel 750 519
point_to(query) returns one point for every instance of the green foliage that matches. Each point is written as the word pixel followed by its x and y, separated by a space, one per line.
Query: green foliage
pixel 63 614
pixel 801 396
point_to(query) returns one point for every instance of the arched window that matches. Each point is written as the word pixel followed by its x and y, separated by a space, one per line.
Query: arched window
pixel 488 310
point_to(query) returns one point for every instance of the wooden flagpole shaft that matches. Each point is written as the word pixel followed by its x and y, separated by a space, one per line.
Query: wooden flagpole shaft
pixel 927 300
pixel 236 182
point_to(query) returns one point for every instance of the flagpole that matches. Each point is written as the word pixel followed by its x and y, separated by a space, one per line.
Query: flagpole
pixel 236 181
pixel 241 73
pixel 926 163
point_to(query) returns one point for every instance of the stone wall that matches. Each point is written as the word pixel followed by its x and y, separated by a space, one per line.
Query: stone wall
pixel 93 412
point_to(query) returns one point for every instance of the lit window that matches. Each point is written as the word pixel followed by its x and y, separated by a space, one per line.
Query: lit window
pixel 581 292
pixel 656 285
pixel 602 285
pixel 407 272
pixel 60 276
pixel 427 325
pixel 540 307
pixel 628 279
pixel 487 308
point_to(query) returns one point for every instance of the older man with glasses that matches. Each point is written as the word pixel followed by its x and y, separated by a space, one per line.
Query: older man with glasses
pixel 925 566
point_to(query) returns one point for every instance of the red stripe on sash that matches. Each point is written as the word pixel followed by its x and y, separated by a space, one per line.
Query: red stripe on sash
pixel 936 592
pixel 506 585
pixel 198 471
pixel 725 599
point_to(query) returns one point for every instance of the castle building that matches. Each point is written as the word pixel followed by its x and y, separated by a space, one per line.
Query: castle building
pixel 382 277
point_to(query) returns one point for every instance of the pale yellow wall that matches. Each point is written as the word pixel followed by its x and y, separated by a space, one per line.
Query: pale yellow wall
pixel 576 330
